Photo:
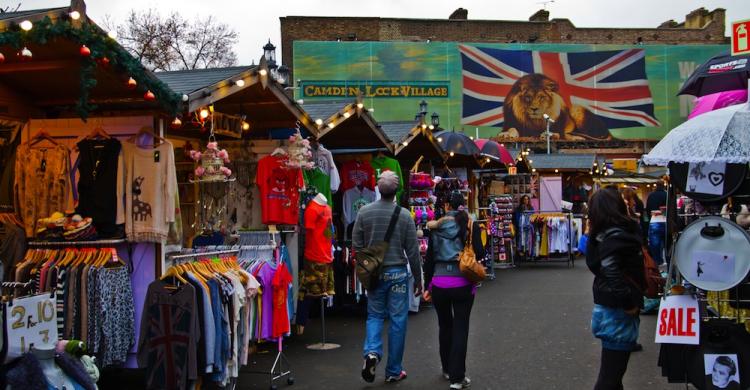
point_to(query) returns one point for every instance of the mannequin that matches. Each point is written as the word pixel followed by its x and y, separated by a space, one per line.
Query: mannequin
pixel 316 276
pixel 54 375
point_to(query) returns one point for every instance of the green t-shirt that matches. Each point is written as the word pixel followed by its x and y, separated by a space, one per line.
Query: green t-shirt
pixel 382 163
pixel 317 179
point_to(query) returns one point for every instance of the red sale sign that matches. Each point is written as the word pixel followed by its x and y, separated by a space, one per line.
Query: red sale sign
pixel 678 321
pixel 741 37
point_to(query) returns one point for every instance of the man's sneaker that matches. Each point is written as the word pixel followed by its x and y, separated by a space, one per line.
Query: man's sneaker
pixel 464 384
pixel 368 369
pixel 446 376
pixel 396 378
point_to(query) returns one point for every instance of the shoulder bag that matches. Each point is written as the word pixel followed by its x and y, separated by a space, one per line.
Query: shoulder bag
pixel 467 262
pixel 370 260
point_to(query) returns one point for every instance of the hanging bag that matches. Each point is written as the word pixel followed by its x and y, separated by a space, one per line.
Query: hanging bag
pixel 467 261
pixel 370 260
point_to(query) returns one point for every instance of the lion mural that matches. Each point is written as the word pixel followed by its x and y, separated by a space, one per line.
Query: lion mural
pixel 534 95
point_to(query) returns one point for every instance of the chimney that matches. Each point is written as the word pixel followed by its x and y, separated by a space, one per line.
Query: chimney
pixel 696 19
pixel 459 14
pixel 540 16
pixel 669 24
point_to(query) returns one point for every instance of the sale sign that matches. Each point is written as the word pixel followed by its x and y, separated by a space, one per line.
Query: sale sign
pixel 30 321
pixel 678 321
pixel 741 37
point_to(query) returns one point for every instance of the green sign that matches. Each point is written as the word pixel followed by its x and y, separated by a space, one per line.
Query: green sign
pixel 395 76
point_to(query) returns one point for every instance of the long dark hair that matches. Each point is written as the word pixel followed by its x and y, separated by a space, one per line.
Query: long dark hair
pixel 607 209
pixel 456 200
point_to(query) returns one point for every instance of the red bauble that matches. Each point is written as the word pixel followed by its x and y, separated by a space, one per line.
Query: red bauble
pixel 176 123
pixel 2 58
pixel 85 51
pixel 149 96
pixel 131 84
pixel 103 62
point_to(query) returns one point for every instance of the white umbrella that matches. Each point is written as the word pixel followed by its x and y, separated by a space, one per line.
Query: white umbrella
pixel 717 136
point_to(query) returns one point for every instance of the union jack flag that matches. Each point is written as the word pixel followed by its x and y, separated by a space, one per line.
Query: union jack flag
pixel 610 84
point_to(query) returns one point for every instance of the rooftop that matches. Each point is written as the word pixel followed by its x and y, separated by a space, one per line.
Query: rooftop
pixel 188 81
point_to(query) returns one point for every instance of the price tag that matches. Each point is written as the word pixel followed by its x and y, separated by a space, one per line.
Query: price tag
pixel 30 321
pixel 678 321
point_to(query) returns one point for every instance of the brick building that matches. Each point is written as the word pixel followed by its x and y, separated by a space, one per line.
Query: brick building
pixel 700 27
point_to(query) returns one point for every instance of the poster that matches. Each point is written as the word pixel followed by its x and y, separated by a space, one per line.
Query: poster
pixel 722 371
pixel 710 266
pixel 706 178
pixel 30 321
pixel 678 320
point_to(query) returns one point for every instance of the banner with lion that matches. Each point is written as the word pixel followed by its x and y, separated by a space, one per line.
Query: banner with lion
pixel 583 93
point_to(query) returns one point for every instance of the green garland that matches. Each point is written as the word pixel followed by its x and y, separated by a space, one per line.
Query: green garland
pixel 46 31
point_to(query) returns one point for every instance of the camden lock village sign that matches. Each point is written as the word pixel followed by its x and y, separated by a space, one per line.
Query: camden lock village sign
pixel 352 88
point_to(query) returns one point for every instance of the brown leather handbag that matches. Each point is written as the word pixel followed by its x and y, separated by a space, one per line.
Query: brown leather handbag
pixel 467 261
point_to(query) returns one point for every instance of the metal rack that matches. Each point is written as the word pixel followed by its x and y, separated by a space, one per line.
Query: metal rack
pixel 44 244
pixel 569 256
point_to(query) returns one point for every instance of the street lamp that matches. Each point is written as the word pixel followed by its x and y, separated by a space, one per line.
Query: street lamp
pixel 269 51
pixel 435 119
pixel 423 107
pixel 282 74
pixel 547 133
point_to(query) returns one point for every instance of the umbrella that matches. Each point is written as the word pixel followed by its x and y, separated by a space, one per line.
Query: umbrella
pixel 720 73
pixel 716 101
pixel 456 143
pixel 716 136
pixel 492 149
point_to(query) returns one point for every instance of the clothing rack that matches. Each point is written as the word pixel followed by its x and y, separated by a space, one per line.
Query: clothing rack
pixel 569 258
pixel 76 243
pixel 199 254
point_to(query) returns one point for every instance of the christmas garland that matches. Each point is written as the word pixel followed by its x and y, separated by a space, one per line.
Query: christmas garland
pixel 104 50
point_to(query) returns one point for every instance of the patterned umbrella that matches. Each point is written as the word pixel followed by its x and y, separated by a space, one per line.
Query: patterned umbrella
pixel 456 143
pixel 494 150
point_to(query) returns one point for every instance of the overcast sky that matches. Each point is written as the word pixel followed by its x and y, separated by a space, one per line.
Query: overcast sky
pixel 257 21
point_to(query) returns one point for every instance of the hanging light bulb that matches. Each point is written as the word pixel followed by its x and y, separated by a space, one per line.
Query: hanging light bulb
pixel 557 171
pixel 245 126
pixel 112 34
pixel 432 127
pixel 204 113
pixel 360 105
pixel 452 154
pixel 319 122
pixel 263 72
pixel 440 139
pixel 240 83
pixel 330 125
pixel 347 115
pixel 176 123
pixel 533 170
pixel 75 15
pixel 405 143
pixel 487 160
pixel 26 25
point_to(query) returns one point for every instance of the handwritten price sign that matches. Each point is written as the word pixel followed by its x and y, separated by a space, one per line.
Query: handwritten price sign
pixel 30 321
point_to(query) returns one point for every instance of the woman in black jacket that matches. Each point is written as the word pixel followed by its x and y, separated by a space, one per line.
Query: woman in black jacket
pixel 614 255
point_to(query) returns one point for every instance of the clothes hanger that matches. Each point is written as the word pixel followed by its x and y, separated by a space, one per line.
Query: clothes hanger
pixel 40 136
pixel 146 130
pixel 279 151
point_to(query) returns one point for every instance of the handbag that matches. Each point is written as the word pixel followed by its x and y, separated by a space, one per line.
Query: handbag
pixel 370 260
pixel 467 262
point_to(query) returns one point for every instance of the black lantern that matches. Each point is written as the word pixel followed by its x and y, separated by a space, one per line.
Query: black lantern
pixel 423 107
pixel 435 119
pixel 269 51
pixel 282 74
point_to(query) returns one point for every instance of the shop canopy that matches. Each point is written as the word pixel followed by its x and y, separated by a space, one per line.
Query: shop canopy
pixel 627 178
pixel 560 162
pixel 60 64
pixel 245 92
pixel 347 125
pixel 412 140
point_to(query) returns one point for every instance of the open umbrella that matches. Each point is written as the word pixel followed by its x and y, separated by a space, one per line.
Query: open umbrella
pixel 721 73
pixel 716 136
pixel 457 143
pixel 718 100
pixel 492 149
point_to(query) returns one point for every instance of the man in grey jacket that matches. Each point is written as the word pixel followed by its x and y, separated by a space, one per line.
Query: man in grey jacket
pixel 389 299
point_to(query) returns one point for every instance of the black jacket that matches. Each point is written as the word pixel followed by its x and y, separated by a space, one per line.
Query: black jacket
pixel 615 257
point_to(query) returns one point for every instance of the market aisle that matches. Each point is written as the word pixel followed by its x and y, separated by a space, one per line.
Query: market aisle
pixel 530 330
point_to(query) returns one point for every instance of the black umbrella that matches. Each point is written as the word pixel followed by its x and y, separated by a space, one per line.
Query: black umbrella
pixel 457 144
pixel 721 73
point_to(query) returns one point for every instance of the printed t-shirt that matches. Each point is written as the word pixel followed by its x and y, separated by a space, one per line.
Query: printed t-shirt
pixel 320 181
pixel 318 239
pixel 279 191
pixel 354 173
pixel 382 164
pixel 264 274
pixel 280 282
pixel 355 199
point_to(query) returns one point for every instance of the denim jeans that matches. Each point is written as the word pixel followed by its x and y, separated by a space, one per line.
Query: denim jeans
pixel 388 300
pixel 656 233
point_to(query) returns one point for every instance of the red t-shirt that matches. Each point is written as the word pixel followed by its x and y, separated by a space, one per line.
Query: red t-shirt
pixel 354 173
pixel 318 228
pixel 279 191
pixel 280 282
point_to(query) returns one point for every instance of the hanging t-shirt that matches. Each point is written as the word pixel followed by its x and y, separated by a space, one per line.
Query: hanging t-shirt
pixel 324 161
pixel 381 164
pixel 281 281
pixel 318 228
pixel 319 181
pixel 354 199
pixel 279 188
pixel 355 173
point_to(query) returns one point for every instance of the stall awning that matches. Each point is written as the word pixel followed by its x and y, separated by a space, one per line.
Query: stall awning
pixel 347 125
pixel 563 162
pixel 412 141
pixel 627 180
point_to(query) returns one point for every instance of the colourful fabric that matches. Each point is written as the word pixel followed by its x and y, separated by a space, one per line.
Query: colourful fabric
pixel 355 173
pixel 318 234
pixel 319 182
pixel 279 188
pixel 315 279
pixel 617 330
pixel 280 282
pixel 449 281
pixel 264 274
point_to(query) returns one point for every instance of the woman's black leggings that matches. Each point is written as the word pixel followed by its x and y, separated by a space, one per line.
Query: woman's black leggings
pixel 612 369
pixel 453 307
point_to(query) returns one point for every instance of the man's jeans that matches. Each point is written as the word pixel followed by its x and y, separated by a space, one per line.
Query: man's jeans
pixel 388 300
pixel 656 233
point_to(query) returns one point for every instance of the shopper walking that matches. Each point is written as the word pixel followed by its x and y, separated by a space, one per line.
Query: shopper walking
pixel 615 257
pixel 451 293
pixel 657 227
pixel 389 298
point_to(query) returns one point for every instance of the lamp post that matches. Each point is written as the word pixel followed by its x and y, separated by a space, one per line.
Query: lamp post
pixel 547 133
pixel 435 119
pixel 282 75
pixel 269 51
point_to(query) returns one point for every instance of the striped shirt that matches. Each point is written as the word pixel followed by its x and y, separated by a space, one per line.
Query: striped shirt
pixel 370 227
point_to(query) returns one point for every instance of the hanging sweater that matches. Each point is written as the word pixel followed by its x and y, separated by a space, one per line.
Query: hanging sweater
pixel 100 184
pixel 150 191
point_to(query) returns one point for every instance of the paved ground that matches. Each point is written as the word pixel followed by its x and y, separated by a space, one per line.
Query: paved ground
pixel 530 330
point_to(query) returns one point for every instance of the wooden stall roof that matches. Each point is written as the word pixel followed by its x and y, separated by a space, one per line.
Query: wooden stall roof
pixel 261 99
pixel 49 85
pixel 347 125
pixel 411 140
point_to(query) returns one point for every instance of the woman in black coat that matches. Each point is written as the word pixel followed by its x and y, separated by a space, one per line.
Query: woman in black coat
pixel 615 257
